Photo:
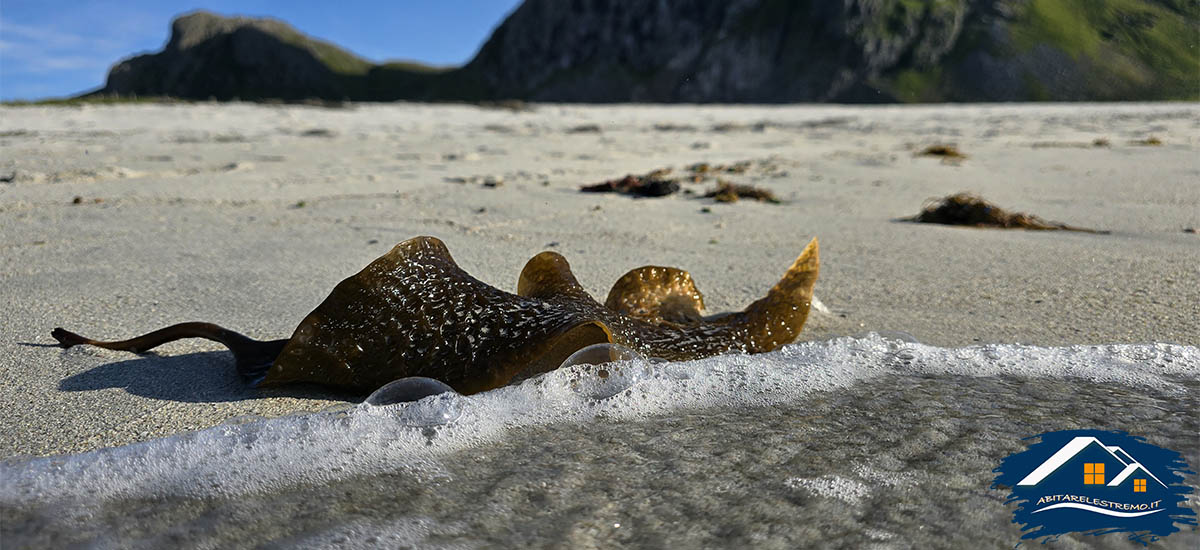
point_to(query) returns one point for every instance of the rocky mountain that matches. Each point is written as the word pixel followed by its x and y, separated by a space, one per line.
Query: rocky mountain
pixel 212 56
pixel 719 51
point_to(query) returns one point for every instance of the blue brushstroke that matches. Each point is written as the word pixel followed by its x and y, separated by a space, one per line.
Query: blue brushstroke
pixel 1039 507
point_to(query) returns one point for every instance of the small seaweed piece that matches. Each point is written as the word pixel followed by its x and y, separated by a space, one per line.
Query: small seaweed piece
pixel 584 129
pixel 944 151
pixel 672 127
pixel 1151 141
pixel 739 127
pixel 653 184
pixel 1069 144
pixel 701 168
pixel 972 210
pixel 725 196
pixel 738 167
pixel 314 132
pixel 731 192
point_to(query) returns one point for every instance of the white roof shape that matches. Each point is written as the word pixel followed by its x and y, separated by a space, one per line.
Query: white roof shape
pixel 1121 454
pixel 1130 469
pixel 1072 448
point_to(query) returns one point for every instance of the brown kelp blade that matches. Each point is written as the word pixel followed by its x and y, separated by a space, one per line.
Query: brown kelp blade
pixel 657 294
pixel 550 356
pixel 415 312
pixel 548 274
pixel 778 318
pixel 253 357
pixel 731 192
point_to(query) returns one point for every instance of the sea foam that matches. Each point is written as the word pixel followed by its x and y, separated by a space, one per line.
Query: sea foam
pixel 263 455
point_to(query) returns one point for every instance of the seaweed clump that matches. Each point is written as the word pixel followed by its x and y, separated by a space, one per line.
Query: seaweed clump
pixel 705 168
pixel 584 129
pixel 971 210
pixel 662 182
pixel 731 192
pixel 949 153
pixel 653 184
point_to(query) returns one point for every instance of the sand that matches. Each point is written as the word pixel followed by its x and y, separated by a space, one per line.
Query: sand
pixel 247 215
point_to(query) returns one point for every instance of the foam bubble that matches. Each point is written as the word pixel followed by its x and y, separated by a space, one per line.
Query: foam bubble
pixel 412 388
pixel 434 410
pixel 846 490
pixel 604 370
pixel 599 354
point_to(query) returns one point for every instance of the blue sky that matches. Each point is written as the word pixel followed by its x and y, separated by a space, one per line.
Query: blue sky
pixel 56 48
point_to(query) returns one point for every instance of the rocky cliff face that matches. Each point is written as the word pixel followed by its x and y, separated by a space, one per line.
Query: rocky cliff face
pixel 721 51
pixel 226 58
pixel 696 50
pixel 844 50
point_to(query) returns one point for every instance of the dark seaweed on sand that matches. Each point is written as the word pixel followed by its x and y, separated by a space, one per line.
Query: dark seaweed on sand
pixel 944 151
pixel 584 129
pixel 731 192
pixel 971 210
pixel 659 183
pixel 701 168
pixel 649 185
pixel 1151 141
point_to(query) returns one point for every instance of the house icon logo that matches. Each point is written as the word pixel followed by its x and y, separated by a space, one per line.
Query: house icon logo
pixel 1096 482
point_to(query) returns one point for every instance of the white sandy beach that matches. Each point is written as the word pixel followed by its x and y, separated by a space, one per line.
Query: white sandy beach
pixel 248 215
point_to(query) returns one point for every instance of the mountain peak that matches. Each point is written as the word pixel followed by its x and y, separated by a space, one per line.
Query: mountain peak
pixel 764 51
pixel 212 56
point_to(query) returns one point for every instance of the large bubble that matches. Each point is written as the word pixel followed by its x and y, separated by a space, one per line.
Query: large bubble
pixel 599 354
pixel 605 370
pixel 417 401
pixel 404 390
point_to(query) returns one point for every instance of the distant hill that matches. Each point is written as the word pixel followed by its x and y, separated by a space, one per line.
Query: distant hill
pixel 225 58
pixel 213 57
pixel 718 51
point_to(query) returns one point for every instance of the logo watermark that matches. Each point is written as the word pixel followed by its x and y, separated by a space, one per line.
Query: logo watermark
pixel 1096 482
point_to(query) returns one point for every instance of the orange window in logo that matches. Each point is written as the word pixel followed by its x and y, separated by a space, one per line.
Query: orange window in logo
pixel 1093 473
pixel 1139 485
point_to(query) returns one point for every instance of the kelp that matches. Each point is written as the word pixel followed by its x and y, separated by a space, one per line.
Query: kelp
pixel 971 210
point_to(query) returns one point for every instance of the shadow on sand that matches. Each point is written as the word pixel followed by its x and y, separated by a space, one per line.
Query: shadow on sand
pixel 205 377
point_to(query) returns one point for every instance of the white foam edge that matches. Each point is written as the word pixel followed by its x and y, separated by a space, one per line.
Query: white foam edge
pixel 271 454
